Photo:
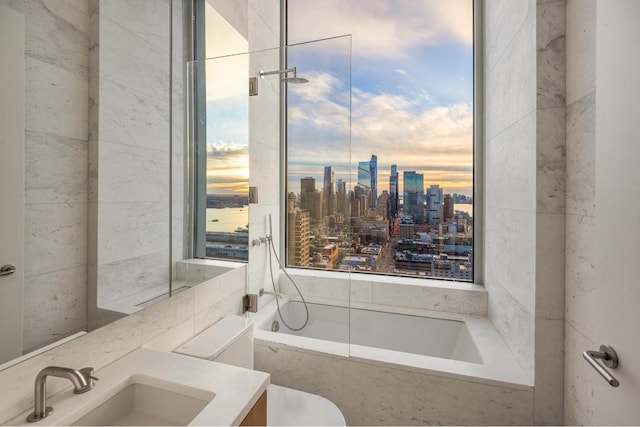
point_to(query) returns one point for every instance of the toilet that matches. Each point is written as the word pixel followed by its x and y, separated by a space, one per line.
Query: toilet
pixel 230 341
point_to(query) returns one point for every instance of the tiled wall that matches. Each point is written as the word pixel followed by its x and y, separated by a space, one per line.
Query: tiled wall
pixel 264 137
pixel 129 147
pixel 163 326
pixel 57 68
pixel 581 203
pixel 510 172
pixel 525 188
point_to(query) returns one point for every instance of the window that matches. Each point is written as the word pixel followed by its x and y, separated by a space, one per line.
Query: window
pixel 399 199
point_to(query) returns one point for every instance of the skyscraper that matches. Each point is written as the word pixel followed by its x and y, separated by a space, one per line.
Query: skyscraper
pixel 298 238
pixel 434 204
pixel 393 191
pixel 328 192
pixel 414 195
pixel 448 208
pixel 373 172
pixel 310 198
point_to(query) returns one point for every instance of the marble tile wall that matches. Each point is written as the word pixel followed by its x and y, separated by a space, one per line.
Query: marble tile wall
pixel 510 172
pixel 163 326
pixel 580 207
pixel 56 150
pixel 390 293
pixel 550 211
pixel 371 394
pixel 525 188
pixel 264 138
pixel 129 140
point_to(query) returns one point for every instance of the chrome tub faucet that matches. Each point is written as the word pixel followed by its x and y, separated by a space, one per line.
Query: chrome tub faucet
pixel 82 380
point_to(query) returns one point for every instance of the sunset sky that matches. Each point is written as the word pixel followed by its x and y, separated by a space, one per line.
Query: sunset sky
pixel 411 69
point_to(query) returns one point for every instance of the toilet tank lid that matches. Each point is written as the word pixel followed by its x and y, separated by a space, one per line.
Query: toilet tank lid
pixel 209 343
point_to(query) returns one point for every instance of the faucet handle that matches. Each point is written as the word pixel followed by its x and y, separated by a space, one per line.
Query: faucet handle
pixel 87 373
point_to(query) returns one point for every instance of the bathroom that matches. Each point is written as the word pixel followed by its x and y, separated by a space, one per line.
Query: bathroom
pixel 97 86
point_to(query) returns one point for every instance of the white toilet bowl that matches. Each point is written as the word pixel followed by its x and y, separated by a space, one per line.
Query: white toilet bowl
pixel 230 341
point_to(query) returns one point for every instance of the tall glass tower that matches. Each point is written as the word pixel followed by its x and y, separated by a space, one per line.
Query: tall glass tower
pixel 414 195
pixel 393 191
pixel 328 192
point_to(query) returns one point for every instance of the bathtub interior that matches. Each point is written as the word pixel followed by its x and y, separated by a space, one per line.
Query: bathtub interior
pixel 442 338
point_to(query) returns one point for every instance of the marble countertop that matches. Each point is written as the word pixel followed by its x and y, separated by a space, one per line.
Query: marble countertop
pixel 236 389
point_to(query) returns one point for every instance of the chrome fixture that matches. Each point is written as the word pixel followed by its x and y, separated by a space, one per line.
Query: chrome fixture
pixel 6 270
pixel 250 303
pixel 609 357
pixel 82 380
pixel 263 292
pixel 293 79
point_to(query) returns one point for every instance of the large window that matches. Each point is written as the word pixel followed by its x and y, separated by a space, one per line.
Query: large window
pixel 400 201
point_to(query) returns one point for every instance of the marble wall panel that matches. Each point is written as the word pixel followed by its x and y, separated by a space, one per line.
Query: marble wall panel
pixel 503 19
pixel 131 275
pixel 149 19
pixel 56 100
pixel 550 160
pixel 129 173
pixel 128 230
pixel 57 169
pixel 581 156
pixel 371 394
pixel 54 306
pixel 133 117
pixel 511 84
pixel 509 170
pixel 128 59
pixel 581 65
pixel 550 66
pixel 55 237
pixel 510 243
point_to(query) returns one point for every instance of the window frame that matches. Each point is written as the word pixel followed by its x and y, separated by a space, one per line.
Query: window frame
pixel 478 163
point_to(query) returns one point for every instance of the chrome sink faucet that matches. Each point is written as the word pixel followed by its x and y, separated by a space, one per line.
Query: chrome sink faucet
pixel 82 380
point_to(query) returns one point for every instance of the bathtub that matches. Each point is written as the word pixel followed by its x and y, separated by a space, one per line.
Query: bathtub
pixel 413 355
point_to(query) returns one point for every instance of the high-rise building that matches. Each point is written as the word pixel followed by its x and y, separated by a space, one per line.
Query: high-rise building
pixel 328 191
pixel 382 207
pixel 342 199
pixel 373 172
pixel 298 238
pixel 393 191
pixel 413 195
pixel 364 175
pixel 310 198
pixel 448 208
pixel 434 204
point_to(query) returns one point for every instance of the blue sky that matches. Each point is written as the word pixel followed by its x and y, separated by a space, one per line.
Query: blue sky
pixel 412 88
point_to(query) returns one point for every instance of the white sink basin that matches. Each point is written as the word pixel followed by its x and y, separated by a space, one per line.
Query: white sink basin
pixel 143 405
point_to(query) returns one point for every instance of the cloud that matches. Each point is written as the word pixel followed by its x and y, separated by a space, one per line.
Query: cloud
pixel 383 28
pixel 405 129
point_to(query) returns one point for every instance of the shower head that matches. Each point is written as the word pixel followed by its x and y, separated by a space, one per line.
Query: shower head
pixel 293 79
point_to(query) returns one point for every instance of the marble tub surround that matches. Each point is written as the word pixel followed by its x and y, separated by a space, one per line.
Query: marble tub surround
pixel 372 394
pixel 385 293
pixel 232 391
pixel 163 326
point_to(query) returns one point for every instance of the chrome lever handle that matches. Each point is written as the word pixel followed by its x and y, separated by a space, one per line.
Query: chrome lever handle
pixel 609 357
pixel 6 270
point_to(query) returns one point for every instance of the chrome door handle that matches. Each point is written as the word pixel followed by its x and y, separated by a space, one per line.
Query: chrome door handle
pixel 7 270
pixel 609 357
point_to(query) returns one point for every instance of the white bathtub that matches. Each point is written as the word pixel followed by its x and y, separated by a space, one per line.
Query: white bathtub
pixel 442 343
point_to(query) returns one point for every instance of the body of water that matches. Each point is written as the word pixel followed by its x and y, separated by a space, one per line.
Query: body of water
pixel 468 208
pixel 227 219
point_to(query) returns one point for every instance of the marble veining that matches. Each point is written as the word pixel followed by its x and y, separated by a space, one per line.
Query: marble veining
pixel 370 394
